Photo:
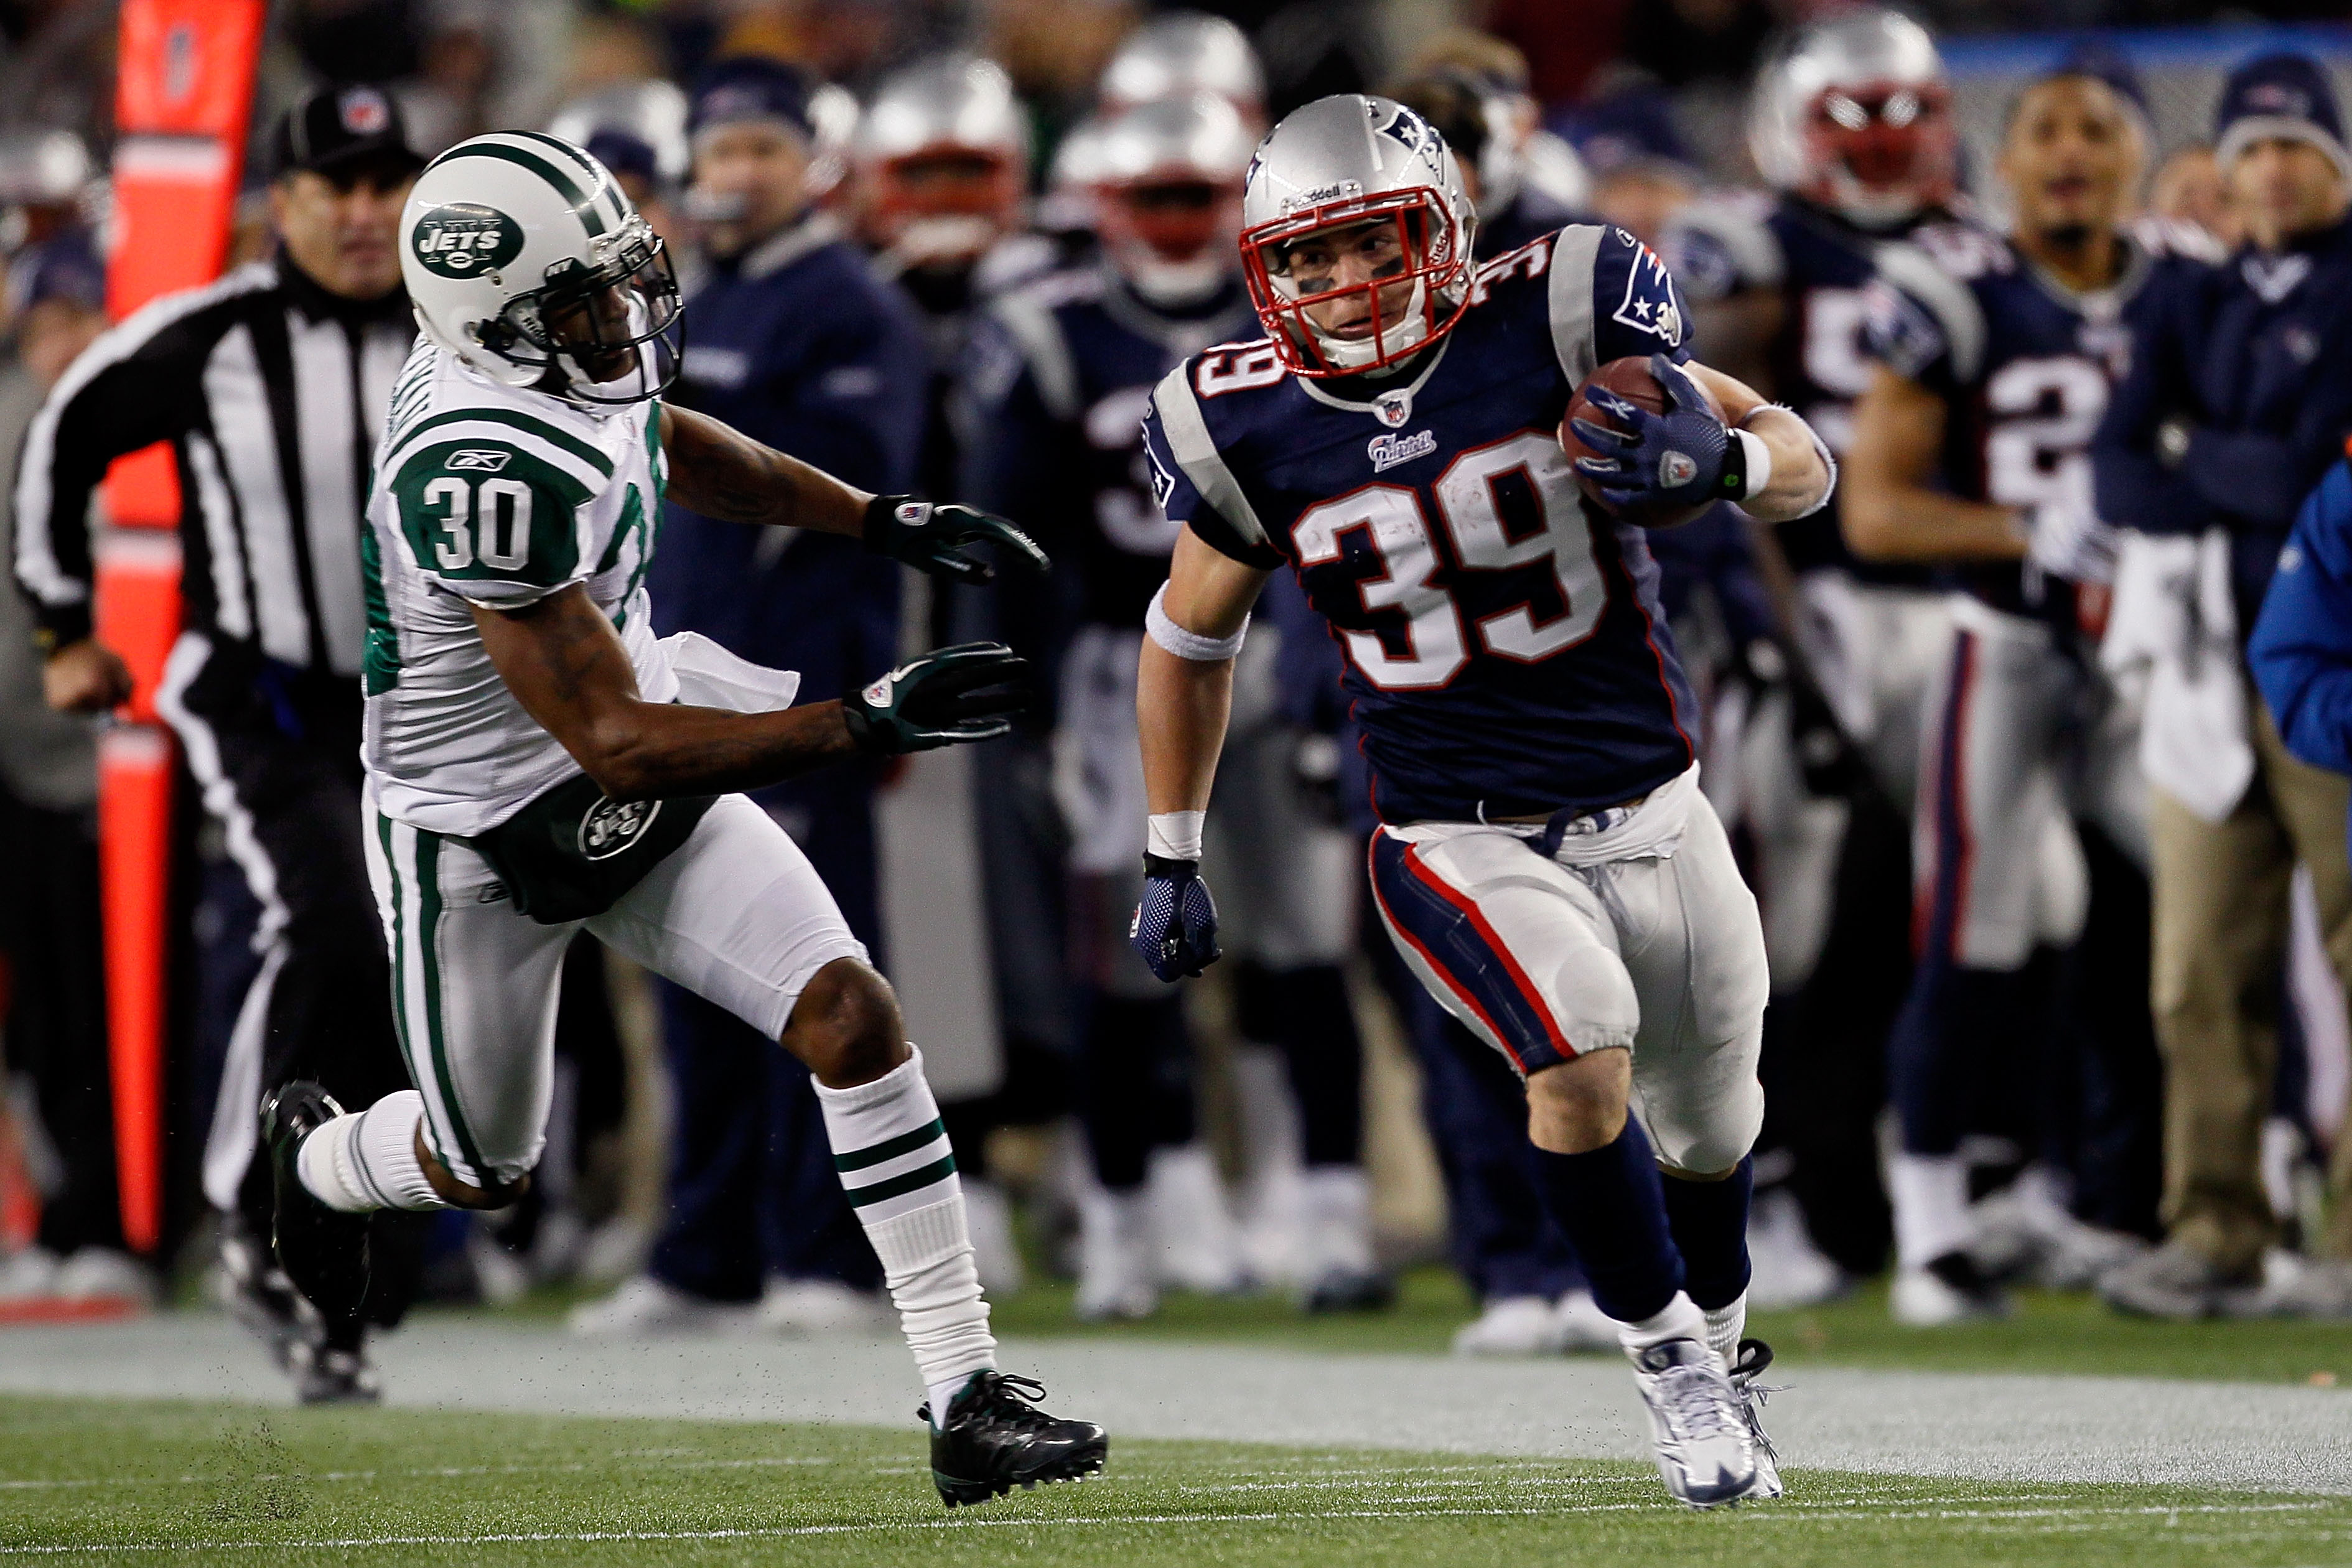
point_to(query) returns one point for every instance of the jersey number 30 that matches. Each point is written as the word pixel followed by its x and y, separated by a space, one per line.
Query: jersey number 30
pixel 1467 505
pixel 502 540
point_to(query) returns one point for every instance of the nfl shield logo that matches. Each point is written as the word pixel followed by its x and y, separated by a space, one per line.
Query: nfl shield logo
pixel 1676 469
pixel 363 111
pixel 1393 408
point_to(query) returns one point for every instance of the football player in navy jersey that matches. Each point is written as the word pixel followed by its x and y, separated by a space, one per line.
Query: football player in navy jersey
pixel 1546 866
pixel 1057 382
pixel 1970 450
pixel 1852 129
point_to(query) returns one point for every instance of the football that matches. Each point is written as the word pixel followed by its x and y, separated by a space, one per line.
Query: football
pixel 1630 379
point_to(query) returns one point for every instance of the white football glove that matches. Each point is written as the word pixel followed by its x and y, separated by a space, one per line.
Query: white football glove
pixel 2067 539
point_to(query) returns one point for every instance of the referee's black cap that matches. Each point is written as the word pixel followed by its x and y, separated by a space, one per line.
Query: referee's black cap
pixel 341 130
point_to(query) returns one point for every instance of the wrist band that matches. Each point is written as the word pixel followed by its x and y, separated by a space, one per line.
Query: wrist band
pixel 1760 463
pixel 1188 644
pixel 1174 835
pixel 1821 449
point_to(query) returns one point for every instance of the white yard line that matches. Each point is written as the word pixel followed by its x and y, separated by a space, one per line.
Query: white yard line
pixel 1988 1427
pixel 2073 1516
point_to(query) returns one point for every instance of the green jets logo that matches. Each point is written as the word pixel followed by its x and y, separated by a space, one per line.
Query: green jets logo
pixel 463 240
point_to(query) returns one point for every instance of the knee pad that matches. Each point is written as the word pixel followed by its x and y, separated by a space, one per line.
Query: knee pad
pixel 1704 1116
pixel 1598 1008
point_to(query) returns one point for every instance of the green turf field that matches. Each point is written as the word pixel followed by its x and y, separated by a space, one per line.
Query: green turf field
pixel 92 1481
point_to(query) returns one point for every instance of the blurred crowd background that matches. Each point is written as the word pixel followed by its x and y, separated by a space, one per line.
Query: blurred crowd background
pixel 947 144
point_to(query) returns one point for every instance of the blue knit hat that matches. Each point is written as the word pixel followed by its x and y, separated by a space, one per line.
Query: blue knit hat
pixel 2284 97
pixel 751 87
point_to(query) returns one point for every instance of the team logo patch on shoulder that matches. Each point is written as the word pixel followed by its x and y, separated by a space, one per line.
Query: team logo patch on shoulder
pixel 466 240
pixel 1649 302
pixel 610 825
pixel 478 460
pixel 1388 451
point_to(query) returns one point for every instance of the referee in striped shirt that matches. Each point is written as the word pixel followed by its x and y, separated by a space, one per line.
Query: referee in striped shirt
pixel 271 384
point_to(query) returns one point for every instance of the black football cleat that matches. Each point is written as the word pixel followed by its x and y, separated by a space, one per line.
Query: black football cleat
pixel 323 1251
pixel 994 1440
pixel 325 1375
pixel 258 1295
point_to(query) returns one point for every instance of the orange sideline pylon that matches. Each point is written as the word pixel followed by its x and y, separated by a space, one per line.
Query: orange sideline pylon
pixel 183 94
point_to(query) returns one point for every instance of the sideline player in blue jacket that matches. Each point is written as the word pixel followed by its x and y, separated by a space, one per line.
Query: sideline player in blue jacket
pixel 1546 865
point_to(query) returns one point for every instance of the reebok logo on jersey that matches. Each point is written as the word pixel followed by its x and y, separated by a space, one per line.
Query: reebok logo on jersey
pixel 478 459
pixel 1388 451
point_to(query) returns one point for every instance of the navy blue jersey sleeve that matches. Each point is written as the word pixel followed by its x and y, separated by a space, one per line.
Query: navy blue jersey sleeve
pixel 2133 489
pixel 1180 502
pixel 1637 308
pixel 1904 334
pixel 2301 652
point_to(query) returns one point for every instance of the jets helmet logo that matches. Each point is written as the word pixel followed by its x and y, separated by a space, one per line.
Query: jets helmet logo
pixel 466 240
pixel 611 826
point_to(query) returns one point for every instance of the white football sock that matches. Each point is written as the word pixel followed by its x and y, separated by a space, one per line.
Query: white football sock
pixel 1679 1319
pixel 1725 1328
pixel 891 1150
pixel 1931 1206
pixel 367 1159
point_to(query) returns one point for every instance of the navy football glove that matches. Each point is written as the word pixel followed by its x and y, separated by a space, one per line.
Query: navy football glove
pixel 1662 462
pixel 967 692
pixel 1175 926
pixel 926 536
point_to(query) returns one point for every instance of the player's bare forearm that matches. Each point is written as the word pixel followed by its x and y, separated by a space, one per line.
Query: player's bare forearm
pixel 566 666
pixel 1181 704
pixel 1888 510
pixel 1799 478
pixel 720 472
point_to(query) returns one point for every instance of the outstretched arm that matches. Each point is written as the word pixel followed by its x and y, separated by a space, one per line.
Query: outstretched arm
pixel 720 472
pixel 1181 704
pixel 565 664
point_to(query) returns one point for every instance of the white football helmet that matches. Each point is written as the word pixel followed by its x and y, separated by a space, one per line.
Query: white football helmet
pixel 1343 164
pixel 1183 53
pixel 652 111
pixel 523 257
pixel 943 160
pixel 1168 199
pixel 1855 114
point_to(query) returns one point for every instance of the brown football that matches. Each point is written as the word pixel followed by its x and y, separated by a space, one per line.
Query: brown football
pixel 1630 379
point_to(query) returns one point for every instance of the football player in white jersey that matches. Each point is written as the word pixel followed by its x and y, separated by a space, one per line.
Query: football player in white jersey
pixel 537 762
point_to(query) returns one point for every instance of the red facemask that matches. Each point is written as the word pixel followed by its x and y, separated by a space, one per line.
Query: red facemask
pixel 1427 287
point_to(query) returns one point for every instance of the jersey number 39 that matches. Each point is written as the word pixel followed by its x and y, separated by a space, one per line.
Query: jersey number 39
pixel 1397 525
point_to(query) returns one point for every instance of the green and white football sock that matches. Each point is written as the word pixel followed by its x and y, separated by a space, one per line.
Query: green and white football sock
pixel 367 1159
pixel 900 1174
